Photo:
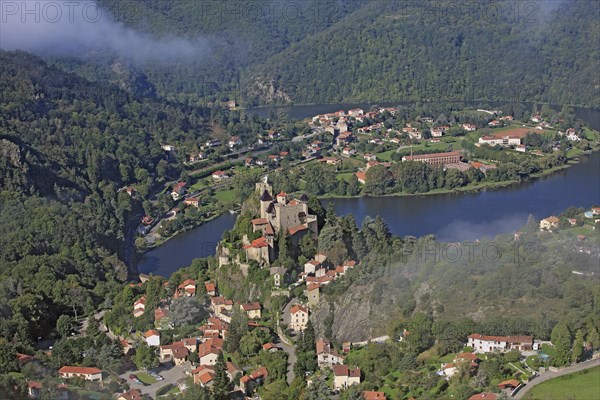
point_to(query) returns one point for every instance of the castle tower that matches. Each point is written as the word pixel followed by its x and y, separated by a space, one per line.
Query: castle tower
pixel 265 200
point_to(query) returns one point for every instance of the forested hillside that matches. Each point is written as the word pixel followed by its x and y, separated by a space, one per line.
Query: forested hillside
pixel 67 146
pixel 431 50
pixel 321 52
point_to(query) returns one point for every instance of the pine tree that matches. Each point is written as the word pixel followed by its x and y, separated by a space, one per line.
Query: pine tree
pixel 561 339
pixel 221 383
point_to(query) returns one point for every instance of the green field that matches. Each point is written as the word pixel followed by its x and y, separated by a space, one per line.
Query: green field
pixel 344 176
pixel 226 197
pixel 584 385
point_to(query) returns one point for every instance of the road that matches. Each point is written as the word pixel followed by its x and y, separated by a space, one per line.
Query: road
pixel 550 375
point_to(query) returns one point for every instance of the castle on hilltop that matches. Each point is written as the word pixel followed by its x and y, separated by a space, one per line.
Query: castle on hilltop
pixel 279 214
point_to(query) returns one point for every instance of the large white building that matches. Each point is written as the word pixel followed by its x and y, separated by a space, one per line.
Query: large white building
pixel 489 344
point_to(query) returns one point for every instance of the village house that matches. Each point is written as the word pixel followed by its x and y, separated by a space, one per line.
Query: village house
pixel 87 373
pixel 249 383
pixel 488 344
pixel 168 147
pixel 549 223
pixel 437 132
pixel 330 161
pixel 215 326
pixel 178 190
pixel 211 289
pixel 348 151
pixel 344 377
pixel 356 112
pixel 132 394
pixel 249 161
pixel 468 360
pixel 159 315
pixel 234 141
pixel 371 395
pixel 436 158
pixel 218 304
pixel 209 350
pixel 220 175
pixel 186 289
pixel 326 356
pixel 299 318
pixel 176 353
pixel 233 370
pixel 469 127
pixel 192 201
pixel 362 177
pixel 310 267
pixel 139 307
pixel 253 310
pixel 34 389
pixel 152 338
pixel 270 347
pixel 203 375
pixel 278 274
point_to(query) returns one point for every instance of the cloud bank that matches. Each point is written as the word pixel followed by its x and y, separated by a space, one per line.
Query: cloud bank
pixel 72 28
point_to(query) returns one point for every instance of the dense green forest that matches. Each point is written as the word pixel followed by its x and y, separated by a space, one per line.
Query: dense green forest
pixel 67 146
pixel 340 51
pixel 436 50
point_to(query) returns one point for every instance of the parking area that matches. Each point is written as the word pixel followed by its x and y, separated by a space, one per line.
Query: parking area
pixel 172 374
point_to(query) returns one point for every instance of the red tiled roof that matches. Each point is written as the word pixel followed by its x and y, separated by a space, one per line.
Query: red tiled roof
pixel 79 370
pixel 269 346
pixel 187 282
pixel 151 332
pixel 210 287
pixel 251 306
pixel 296 308
pixel 34 384
pixel 258 243
pixel 260 221
pixel 297 229
pixel 259 373
pixel 509 383
pixel 312 286
pixel 371 395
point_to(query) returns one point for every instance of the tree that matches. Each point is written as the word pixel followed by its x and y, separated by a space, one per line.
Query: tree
pixel 317 391
pixel 237 329
pixel 561 339
pixel 187 310
pixel 145 357
pixel 577 347
pixel 221 384
pixel 64 325
pixel 8 357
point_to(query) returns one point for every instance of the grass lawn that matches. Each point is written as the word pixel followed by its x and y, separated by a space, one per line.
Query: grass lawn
pixel 386 155
pixel 226 196
pixel 578 386
pixel 201 184
pixel 144 377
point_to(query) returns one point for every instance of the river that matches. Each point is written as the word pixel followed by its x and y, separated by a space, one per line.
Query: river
pixel 450 217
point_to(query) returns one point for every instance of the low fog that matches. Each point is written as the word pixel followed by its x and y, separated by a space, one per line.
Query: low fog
pixel 60 29
pixel 461 231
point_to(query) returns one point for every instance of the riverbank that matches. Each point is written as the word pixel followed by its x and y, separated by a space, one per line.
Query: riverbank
pixel 471 188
